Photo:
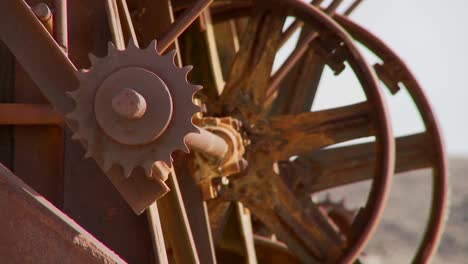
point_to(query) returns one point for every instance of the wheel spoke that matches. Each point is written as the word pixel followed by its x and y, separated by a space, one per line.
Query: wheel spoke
pixel 289 64
pixel 303 133
pixel 289 32
pixel 182 23
pixel 352 7
pixel 306 232
pixel 251 70
pixel 339 166
pixel 302 86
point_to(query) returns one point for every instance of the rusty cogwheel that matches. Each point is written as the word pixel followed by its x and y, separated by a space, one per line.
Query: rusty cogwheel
pixel 133 108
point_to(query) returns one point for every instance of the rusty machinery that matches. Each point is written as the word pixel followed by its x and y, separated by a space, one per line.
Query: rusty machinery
pixel 242 194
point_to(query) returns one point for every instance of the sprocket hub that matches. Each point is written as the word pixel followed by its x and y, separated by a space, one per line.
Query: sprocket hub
pixel 134 108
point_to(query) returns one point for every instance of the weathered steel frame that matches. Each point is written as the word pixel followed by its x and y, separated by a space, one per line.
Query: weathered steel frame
pixel 36 114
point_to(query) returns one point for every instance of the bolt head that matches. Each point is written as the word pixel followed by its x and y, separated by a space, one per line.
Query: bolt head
pixel 129 104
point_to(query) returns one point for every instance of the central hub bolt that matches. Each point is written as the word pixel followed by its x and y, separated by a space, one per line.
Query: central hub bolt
pixel 129 104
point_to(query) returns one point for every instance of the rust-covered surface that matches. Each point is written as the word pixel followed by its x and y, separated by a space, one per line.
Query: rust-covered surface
pixel 110 74
pixel 34 231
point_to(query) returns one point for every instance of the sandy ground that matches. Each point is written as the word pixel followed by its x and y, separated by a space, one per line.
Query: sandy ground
pixel 404 220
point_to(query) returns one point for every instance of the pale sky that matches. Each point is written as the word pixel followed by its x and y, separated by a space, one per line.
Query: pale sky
pixel 432 37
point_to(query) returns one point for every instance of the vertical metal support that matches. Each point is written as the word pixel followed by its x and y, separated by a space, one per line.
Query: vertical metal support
pixel 61 24
pixel 159 247
pixel 174 218
pixel 7 80
pixel 40 147
pixel 197 212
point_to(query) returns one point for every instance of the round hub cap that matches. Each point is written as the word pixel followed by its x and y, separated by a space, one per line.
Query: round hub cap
pixel 133 106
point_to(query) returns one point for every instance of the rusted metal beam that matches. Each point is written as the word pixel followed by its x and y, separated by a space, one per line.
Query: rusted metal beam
pixel 159 247
pixel 352 7
pixel 182 23
pixel 290 62
pixel 29 114
pixel 306 132
pixel 237 236
pixel 174 218
pixel 7 80
pixel 306 232
pixel 115 25
pixel 339 166
pixel 287 34
pixel 39 146
pixel 251 69
pixel 331 8
pixel 35 231
pixel 273 252
pixel 61 24
pixel 59 75
pixel 196 209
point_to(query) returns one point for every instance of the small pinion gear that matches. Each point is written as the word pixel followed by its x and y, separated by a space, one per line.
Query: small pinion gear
pixel 133 108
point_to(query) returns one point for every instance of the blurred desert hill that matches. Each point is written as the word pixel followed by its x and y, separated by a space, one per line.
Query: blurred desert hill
pixel 405 217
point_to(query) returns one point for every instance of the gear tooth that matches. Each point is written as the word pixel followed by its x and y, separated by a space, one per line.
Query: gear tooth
pixel 132 45
pixel 193 109
pixel 111 49
pixel 194 129
pixel 72 94
pixel 127 170
pixel 147 167
pixel 81 74
pixel 88 153
pixel 73 116
pixel 185 149
pixel 183 145
pixel 196 88
pixel 153 46
pixel 92 58
pixel 76 135
pixel 170 55
pixel 106 165
pixel 187 69
pixel 166 158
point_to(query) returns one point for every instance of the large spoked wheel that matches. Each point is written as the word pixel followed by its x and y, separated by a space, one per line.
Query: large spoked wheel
pixel 250 90
pixel 393 71
pixel 340 166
